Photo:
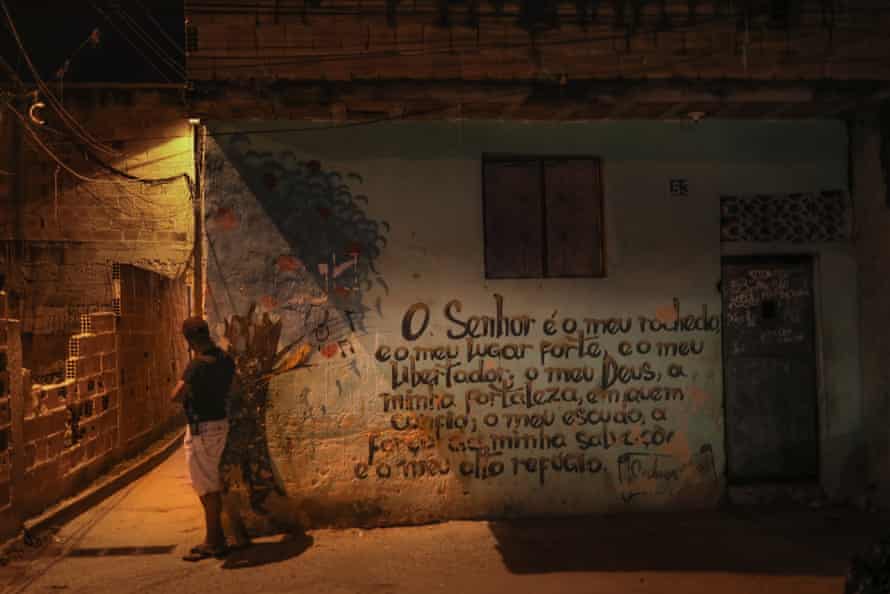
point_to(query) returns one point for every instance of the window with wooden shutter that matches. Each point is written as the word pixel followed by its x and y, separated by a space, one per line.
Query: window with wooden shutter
pixel 543 217
pixel 514 240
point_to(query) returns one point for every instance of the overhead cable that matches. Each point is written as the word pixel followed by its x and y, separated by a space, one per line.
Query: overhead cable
pixel 66 117
pixel 132 44
pixel 161 29
pixel 169 60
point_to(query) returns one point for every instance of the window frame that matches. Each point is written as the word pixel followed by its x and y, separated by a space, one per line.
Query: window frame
pixel 542 160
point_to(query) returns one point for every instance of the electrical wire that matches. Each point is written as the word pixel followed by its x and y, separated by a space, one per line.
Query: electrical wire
pixel 38 142
pixel 161 29
pixel 510 10
pixel 252 61
pixel 170 61
pixel 132 44
pixel 66 117
pixel 35 138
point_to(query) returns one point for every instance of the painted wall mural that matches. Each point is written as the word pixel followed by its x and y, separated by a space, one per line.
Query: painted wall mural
pixel 466 392
pixel 505 395
pixel 386 380
pixel 292 254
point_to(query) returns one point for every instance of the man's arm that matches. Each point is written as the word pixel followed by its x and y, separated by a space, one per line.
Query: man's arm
pixel 180 391
pixel 182 388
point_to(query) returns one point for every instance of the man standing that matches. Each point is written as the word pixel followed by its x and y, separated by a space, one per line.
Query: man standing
pixel 203 392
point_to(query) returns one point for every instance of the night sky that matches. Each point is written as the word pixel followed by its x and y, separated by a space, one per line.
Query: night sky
pixel 53 30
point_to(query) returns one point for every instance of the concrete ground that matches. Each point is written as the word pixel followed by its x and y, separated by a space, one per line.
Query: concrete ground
pixel 133 541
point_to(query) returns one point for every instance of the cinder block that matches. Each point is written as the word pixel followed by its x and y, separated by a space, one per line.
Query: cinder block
pixel 34 429
pixel 41 451
pixel 87 366
pixel 4 494
pixel 65 461
pixel 112 399
pixel 105 342
pixel 80 345
pixel 58 420
pixel 109 361
pixel 30 454
pixel 102 322
pixel 56 445
pixel 60 394
pixel 77 456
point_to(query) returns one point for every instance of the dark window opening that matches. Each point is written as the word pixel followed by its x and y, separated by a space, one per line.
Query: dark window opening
pixel 543 217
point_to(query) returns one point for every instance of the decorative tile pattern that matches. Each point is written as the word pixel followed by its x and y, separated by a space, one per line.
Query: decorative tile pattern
pixel 796 218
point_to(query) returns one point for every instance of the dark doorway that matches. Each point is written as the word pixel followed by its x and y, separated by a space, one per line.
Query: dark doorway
pixel 770 372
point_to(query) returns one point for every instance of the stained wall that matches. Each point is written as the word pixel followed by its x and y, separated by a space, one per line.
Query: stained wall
pixel 347 274
pixel 870 156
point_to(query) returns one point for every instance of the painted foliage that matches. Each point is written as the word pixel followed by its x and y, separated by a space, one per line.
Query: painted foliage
pixel 292 254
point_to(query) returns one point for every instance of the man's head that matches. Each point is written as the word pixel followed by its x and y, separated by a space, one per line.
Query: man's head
pixel 196 332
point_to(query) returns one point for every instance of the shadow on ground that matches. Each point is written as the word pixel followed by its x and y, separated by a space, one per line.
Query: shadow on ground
pixel 778 542
pixel 267 552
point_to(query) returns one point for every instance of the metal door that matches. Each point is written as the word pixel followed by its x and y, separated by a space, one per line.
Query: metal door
pixel 770 373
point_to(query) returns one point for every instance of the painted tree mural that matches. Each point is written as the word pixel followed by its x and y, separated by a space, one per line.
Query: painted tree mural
pixel 292 256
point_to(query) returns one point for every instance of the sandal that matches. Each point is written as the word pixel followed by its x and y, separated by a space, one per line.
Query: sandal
pixel 201 552
pixel 221 551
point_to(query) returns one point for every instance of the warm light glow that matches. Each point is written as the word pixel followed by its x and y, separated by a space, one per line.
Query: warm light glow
pixel 194 121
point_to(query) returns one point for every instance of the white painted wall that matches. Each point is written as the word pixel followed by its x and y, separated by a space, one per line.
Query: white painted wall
pixel 424 179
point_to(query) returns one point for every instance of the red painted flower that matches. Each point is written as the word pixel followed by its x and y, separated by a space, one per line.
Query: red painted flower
pixel 329 350
pixel 225 219
pixel 288 263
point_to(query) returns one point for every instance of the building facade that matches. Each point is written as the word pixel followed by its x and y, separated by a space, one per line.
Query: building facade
pixel 505 259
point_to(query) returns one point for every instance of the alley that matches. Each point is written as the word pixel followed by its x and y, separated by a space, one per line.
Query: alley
pixel 132 542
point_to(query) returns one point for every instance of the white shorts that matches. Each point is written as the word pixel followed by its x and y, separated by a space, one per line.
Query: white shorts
pixel 203 453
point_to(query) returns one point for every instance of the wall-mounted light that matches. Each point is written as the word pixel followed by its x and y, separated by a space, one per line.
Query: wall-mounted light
pixel 34 110
pixel 195 121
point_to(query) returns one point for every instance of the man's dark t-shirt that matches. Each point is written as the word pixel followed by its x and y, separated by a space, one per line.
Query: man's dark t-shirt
pixel 209 375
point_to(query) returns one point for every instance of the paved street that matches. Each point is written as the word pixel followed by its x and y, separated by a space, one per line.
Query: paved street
pixel 133 541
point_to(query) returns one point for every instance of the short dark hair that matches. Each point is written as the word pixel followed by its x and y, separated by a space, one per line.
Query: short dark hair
pixel 195 329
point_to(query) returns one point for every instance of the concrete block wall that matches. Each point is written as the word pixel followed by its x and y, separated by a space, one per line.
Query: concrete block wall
pixel 56 438
pixel 71 427
pixel 64 242
pixel 152 354
pixel 7 330
pixel 355 39
pixel 112 218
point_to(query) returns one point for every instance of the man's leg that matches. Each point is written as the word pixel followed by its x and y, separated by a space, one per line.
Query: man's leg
pixel 214 537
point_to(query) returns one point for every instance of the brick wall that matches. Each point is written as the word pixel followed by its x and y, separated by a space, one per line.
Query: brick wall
pixel 66 245
pixel 709 39
pixel 119 369
pixel 152 352
pixel 111 219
